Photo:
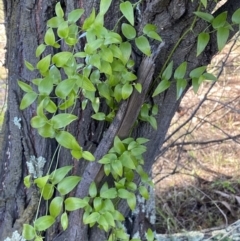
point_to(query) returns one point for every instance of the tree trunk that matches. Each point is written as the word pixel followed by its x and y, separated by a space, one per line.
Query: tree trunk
pixel 25 26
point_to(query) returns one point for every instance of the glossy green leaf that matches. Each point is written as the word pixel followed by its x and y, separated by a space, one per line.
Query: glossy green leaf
pixel 109 217
pixel 28 232
pixel 27 181
pixel 60 59
pixel 106 68
pixel 97 203
pixel 139 150
pixel 96 104
pixel 29 65
pixel 62 120
pixel 64 221
pixel 88 156
pixel 68 184
pixel 149 28
pixel 167 73
pixel 99 116
pixel 58 10
pixel 205 16
pixel 181 85
pixel 28 99
pixel 195 85
pixel 44 223
pixel 127 160
pixel 75 15
pixel 118 145
pixel 142 140
pixel 123 193
pixel 74 203
pixel 46 131
pixel 138 87
pixel 92 218
pixel 220 20
pixel 104 6
pixel 154 35
pixel 55 22
pixel 117 167
pixel 25 87
pixel 49 37
pixel 63 30
pixel 204 3
pixel 110 193
pixel 58 175
pixel 180 71
pixel 56 206
pixel 236 16
pixel 143 45
pixel 47 191
pixel 127 90
pixel 128 31
pixel 103 223
pixel 209 76
pixel 222 37
pixel 162 86
pixel 150 235
pixel 127 11
pixel 51 107
pixel 93 190
pixel 89 21
pixel 126 49
pixel 203 39
pixel 40 49
pixel 118 216
pixel 106 54
pixel 41 181
pixel 67 140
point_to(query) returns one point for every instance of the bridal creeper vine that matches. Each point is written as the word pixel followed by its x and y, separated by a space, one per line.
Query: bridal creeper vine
pixel 103 71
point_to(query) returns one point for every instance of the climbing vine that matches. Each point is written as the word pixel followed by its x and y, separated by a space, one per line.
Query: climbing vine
pixel 104 71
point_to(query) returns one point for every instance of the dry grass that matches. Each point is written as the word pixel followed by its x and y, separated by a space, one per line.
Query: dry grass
pixel 198 178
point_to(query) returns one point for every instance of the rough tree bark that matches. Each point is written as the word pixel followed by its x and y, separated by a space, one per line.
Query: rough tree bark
pixel 25 26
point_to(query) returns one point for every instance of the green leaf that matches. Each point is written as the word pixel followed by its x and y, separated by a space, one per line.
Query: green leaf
pixel 127 160
pixel 181 85
pixel 117 167
pixel 222 37
pixel 220 20
pixel 49 37
pixel 56 206
pixel 55 22
pixel 68 184
pixel 180 71
pixel 97 204
pixel 118 145
pixel 27 181
pixel 127 90
pixel 88 156
pixel 128 31
pixel 63 30
pixel 28 232
pixel 38 121
pixel 29 65
pixel 58 10
pixel 144 192
pixel 138 87
pixel 44 223
pixel 62 120
pixel 150 235
pixel 196 73
pixel 28 99
pixel 67 140
pixel 93 190
pixel 47 191
pixel 74 203
pixel 40 49
pixel 45 87
pixel 123 193
pixel 92 218
pixel 162 86
pixel 25 87
pixel 203 39
pixel 149 28
pixel 64 221
pixel 110 193
pixel 51 107
pixel 154 35
pixel 44 64
pixel 60 59
pixel 99 116
pixel 118 216
pixel 143 45
pixel 195 85
pixel 236 16
pixel 103 223
pixel 126 49
pixel 127 11
pixel 205 16
pixel 142 140
pixel 106 68
pixel 109 217
pixel 58 175
pixel 132 201
pixel 139 150
pixel 167 73
pixel 209 76
pixel 204 3
pixel 41 181
pixel 74 15
pixel 64 88
pixel 104 6
pixel 46 131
